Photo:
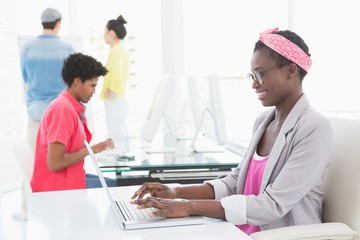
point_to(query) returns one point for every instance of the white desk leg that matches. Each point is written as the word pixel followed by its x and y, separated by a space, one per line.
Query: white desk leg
pixel 1 216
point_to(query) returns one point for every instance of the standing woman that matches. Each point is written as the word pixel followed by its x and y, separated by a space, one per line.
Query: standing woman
pixel 114 87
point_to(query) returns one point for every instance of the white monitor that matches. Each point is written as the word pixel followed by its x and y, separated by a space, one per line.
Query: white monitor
pixel 207 108
pixel 158 107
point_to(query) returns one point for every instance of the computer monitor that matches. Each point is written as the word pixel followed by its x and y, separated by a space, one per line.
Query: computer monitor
pixel 158 107
pixel 207 108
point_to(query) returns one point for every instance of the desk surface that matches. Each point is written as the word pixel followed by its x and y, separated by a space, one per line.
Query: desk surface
pixel 180 158
pixel 182 165
pixel 86 214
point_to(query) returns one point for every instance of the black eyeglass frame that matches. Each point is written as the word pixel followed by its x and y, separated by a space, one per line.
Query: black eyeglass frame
pixel 259 75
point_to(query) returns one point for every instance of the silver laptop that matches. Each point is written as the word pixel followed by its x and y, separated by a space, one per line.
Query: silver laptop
pixel 129 217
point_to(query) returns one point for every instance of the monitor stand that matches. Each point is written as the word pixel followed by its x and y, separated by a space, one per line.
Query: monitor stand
pixel 204 146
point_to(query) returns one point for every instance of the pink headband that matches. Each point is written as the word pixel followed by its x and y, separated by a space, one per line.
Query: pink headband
pixel 286 48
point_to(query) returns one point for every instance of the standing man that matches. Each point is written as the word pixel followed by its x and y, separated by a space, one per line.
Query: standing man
pixel 41 63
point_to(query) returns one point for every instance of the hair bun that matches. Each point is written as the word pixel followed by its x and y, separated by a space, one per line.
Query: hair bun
pixel 121 19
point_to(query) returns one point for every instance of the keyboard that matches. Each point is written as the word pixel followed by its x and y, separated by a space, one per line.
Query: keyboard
pixel 132 213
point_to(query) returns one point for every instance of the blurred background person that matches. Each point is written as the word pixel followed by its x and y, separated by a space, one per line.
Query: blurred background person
pixel 115 82
pixel 41 61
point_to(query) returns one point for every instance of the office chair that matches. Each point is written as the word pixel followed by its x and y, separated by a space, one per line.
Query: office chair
pixel 341 213
pixel 25 158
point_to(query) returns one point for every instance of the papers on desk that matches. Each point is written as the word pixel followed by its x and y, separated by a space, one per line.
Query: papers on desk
pixel 190 174
pixel 209 149
pixel 159 150
pixel 206 146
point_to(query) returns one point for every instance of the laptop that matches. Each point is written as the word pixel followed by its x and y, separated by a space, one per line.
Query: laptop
pixel 129 217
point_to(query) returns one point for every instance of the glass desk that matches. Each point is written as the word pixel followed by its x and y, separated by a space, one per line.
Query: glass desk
pixel 179 165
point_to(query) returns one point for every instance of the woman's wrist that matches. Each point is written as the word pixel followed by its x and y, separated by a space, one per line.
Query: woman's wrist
pixel 177 192
pixel 191 207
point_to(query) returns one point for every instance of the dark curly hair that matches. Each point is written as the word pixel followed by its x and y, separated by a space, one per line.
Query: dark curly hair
pixel 281 60
pixel 83 66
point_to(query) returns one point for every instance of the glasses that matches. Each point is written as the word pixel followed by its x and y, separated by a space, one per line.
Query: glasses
pixel 258 76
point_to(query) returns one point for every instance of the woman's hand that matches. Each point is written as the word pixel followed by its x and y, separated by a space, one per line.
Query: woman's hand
pixel 155 190
pixel 166 207
pixel 110 94
pixel 108 143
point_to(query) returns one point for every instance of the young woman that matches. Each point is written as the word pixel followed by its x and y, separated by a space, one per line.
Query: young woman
pixel 114 87
pixel 279 181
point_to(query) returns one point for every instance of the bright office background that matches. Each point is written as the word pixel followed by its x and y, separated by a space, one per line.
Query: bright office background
pixel 192 37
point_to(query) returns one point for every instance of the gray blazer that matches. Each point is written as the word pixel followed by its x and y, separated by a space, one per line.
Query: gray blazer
pixel 291 190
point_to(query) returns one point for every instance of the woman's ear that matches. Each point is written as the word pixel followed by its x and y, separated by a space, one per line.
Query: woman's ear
pixel 292 70
pixel 112 34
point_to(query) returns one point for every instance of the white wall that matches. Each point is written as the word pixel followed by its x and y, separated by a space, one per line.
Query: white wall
pixel 220 37
pixel 331 29
pixel 87 20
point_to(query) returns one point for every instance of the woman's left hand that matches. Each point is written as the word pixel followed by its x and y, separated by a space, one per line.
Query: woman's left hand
pixel 166 207
pixel 110 94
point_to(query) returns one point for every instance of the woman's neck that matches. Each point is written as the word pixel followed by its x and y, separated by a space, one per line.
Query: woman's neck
pixel 113 43
pixel 282 111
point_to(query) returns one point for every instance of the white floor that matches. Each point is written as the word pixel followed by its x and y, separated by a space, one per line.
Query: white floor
pixel 10 183
pixel 11 229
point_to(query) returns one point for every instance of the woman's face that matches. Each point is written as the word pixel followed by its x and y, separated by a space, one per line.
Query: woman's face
pixel 107 36
pixel 276 84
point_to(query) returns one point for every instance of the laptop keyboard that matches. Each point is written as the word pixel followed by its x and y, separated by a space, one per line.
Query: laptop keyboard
pixel 130 211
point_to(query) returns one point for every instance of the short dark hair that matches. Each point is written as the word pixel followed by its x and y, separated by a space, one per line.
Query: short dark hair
pixel 117 25
pixel 50 25
pixel 83 66
pixel 281 60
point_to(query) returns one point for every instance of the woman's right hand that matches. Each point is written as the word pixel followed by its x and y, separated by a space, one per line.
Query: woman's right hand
pixel 154 189
pixel 102 146
pixel 110 94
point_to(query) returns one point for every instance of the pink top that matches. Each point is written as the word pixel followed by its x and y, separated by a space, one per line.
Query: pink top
pixel 63 122
pixel 252 185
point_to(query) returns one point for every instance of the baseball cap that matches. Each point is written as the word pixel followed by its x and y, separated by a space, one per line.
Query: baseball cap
pixel 50 15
